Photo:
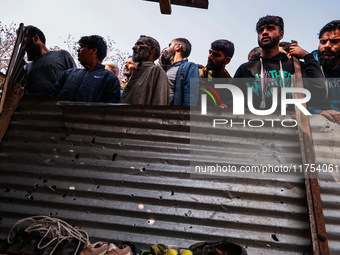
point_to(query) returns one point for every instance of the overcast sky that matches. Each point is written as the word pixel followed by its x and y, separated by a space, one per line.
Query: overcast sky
pixel 125 20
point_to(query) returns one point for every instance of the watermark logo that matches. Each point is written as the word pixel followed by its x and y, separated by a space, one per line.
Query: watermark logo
pixel 238 99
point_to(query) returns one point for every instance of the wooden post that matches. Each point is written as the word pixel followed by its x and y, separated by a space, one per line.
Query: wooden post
pixel 318 228
pixel 13 96
pixel 165 6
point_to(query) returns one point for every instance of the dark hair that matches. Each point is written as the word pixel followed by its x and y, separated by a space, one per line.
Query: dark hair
pixel 32 31
pixel 266 20
pixel 153 42
pixel 285 46
pixel 95 42
pixel 186 46
pixel 331 26
pixel 255 51
pixel 227 47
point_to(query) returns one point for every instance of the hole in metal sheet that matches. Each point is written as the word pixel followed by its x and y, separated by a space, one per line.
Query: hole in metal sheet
pixel 142 169
pixel 7 190
pixel 65 195
pixel 114 156
pixel 160 197
pixel 151 221
pixel 44 181
pixel 274 237
pixel 93 141
pixel 28 195
pixel 172 193
pixel 77 156
pixel 132 195
pixel 98 187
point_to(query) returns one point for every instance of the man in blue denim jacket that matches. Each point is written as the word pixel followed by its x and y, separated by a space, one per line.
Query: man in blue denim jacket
pixel 93 83
pixel 182 90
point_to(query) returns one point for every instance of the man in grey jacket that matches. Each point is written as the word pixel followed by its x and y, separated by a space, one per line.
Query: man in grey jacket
pixel 149 84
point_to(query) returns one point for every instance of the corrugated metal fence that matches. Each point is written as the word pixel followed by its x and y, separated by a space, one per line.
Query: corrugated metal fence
pixel 327 147
pixel 122 173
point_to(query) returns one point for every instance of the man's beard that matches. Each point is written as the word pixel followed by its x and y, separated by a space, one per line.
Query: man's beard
pixel 273 41
pixel 127 72
pixel 32 50
pixel 167 58
pixel 328 60
pixel 140 56
pixel 211 65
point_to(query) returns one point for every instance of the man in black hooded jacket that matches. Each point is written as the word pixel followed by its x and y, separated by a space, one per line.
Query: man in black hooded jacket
pixel 273 68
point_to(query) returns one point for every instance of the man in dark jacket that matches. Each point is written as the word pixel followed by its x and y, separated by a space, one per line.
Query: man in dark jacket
pixel 273 68
pixel 182 90
pixel 46 66
pixel 93 83
pixel 329 57
pixel 220 54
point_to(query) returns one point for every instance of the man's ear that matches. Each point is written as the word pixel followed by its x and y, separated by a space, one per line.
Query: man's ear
pixel 152 51
pixel 94 51
pixel 227 60
pixel 36 38
pixel 281 34
pixel 178 47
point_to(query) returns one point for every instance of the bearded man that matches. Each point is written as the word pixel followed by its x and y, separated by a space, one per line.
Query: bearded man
pixel 273 68
pixel 127 72
pixel 46 66
pixel 148 84
pixel 329 57
pixel 220 54
pixel 182 90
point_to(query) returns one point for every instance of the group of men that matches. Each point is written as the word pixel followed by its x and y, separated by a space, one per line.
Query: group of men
pixel 175 81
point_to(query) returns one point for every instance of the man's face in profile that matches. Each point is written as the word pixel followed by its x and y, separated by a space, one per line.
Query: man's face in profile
pixel 216 60
pixel 128 67
pixel 140 51
pixel 32 49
